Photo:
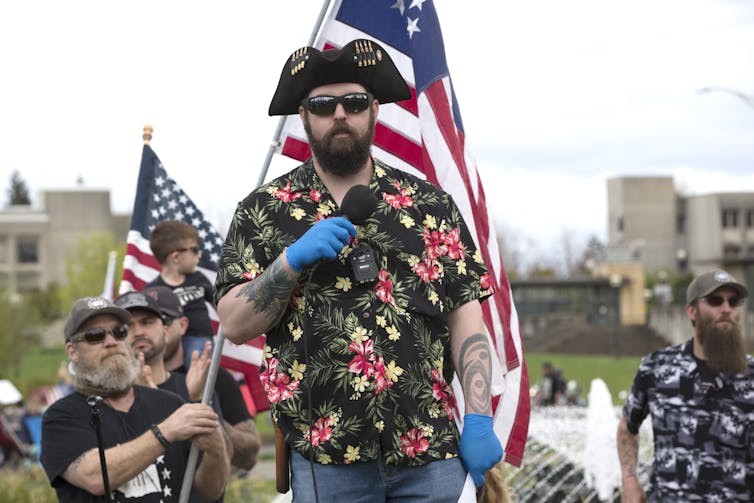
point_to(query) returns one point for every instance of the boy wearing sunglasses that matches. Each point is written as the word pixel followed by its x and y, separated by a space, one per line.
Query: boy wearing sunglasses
pixel 700 395
pixel 366 325
pixel 146 432
pixel 177 248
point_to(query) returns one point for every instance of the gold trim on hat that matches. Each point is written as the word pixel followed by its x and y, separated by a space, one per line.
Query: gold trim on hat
pixel 365 54
pixel 299 59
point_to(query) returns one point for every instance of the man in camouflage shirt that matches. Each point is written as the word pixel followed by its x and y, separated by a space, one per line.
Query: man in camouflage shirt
pixel 358 371
pixel 701 398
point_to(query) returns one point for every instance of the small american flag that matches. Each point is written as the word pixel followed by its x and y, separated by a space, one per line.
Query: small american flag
pixel 424 136
pixel 159 198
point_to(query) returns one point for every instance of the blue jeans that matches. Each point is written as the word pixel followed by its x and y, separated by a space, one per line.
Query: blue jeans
pixel 193 343
pixel 373 481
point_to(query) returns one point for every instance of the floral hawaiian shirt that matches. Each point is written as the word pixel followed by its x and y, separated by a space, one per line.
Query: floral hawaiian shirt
pixel 379 362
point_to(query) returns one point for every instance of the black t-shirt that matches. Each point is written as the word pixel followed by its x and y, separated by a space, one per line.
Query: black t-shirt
pixel 232 402
pixel 176 383
pixel 193 293
pixel 68 432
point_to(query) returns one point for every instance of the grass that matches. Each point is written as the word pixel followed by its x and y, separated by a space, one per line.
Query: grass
pixel 38 367
pixel 618 373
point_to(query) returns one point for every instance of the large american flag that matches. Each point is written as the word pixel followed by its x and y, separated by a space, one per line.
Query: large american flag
pixel 159 198
pixel 424 135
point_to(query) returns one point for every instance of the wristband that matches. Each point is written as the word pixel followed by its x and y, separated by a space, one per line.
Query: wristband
pixel 157 433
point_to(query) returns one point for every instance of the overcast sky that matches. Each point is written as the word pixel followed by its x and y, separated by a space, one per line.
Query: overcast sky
pixel 555 97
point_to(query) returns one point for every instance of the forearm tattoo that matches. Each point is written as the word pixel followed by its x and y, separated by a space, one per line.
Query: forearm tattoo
pixel 628 451
pixel 270 292
pixel 474 369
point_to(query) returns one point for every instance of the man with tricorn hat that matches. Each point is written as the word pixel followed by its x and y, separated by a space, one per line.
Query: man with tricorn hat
pixel 701 398
pixel 370 302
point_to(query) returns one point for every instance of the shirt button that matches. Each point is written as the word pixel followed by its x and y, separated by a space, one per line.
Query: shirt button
pixel 365 314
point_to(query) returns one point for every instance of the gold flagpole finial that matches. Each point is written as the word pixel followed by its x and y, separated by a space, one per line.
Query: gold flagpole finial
pixel 148 130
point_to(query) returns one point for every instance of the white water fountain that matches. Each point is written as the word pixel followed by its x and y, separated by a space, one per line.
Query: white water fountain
pixel 599 458
pixel 571 453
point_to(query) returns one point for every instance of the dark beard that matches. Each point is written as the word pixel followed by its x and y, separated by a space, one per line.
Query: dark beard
pixel 724 345
pixel 344 160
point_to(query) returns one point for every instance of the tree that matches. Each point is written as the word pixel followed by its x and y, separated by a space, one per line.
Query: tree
pixel 18 193
pixel 86 267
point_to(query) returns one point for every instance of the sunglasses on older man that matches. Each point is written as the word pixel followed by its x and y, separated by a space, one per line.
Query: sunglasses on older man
pixel 353 103
pixel 97 335
pixel 717 300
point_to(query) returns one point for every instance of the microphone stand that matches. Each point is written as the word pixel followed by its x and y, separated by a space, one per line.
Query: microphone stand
pixel 93 401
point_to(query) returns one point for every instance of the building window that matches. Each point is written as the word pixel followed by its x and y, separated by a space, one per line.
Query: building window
pixel 730 219
pixel 619 224
pixel 27 250
pixel 680 224
pixel 27 282
pixel 749 218
pixel 731 250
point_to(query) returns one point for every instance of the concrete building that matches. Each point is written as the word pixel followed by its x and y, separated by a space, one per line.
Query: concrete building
pixel 650 222
pixel 35 241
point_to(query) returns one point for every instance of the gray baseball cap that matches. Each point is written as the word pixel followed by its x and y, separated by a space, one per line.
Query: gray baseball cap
pixel 85 308
pixel 708 282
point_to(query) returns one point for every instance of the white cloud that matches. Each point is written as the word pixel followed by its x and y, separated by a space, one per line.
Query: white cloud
pixel 555 96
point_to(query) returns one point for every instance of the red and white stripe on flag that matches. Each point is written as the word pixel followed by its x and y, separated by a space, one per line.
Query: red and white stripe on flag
pixel 421 136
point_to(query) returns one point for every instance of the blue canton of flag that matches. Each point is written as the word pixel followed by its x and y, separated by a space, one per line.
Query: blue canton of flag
pixel 159 198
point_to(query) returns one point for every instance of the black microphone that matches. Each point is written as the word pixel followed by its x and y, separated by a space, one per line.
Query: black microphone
pixel 358 204
pixel 93 401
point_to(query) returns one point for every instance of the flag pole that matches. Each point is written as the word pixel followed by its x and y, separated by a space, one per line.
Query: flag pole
pixel 275 143
pixel 217 352
pixel 209 389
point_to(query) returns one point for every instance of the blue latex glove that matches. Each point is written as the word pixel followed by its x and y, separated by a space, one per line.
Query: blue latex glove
pixel 323 241
pixel 479 448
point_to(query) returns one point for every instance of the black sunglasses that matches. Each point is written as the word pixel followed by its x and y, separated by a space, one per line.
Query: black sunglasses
pixel 717 300
pixel 353 103
pixel 194 249
pixel 97 335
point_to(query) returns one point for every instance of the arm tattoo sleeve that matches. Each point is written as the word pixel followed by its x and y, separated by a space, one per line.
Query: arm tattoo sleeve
pixel 474 369
pixel 628 451
pixel 270 292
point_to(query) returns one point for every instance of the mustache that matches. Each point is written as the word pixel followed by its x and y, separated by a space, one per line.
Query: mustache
pixel 339 129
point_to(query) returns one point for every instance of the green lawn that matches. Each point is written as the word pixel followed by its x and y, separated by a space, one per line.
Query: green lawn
pixel 38 367
pixel 618 373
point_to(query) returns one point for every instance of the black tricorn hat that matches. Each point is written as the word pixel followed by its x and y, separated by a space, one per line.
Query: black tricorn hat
pixel 360 61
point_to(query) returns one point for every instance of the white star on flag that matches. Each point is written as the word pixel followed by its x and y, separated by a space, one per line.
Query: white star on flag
pixel 411 28
pixel 399 5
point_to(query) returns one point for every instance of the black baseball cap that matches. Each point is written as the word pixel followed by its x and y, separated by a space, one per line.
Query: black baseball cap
pixel 166 300
pixel 137 300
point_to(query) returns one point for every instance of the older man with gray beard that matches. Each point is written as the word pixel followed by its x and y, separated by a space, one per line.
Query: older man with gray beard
pixel 146 432
pixel 701 398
